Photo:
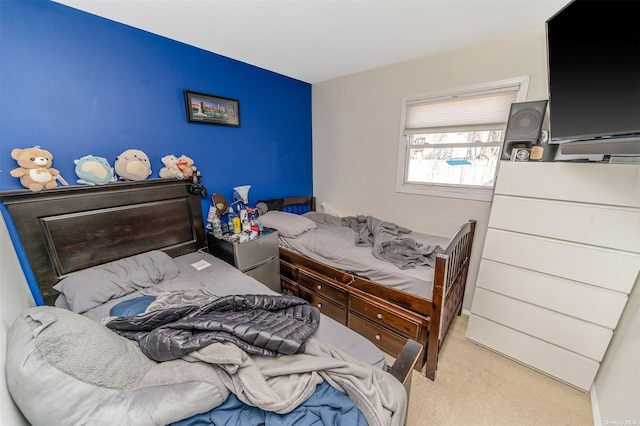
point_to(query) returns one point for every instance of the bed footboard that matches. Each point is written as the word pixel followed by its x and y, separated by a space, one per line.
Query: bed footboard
pixel 402 368
pixel 452 268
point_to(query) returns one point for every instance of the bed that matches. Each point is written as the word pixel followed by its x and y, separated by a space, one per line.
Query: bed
pixel 374 297
pixel 69 232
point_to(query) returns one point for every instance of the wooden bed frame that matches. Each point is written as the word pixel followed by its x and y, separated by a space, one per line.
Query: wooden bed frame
pixel 67 229
pixel 386 316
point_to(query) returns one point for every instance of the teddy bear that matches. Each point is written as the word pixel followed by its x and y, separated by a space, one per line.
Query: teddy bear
pixel 35 171
pixel 133 164
pixel 170 169
pixel 186 166
pixel 94 170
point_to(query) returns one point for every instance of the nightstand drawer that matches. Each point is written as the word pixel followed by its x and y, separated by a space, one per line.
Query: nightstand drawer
pixel 256 251
pixel 268 273
pixel 327 307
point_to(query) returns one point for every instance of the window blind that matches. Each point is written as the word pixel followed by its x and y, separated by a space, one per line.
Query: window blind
pixel 478 111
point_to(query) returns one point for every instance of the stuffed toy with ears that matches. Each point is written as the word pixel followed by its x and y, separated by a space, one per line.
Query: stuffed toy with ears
pixel 170 169
pixel 186 166
pixel 35 171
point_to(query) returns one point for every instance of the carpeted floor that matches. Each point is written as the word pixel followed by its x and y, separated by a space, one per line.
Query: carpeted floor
pixel 475 386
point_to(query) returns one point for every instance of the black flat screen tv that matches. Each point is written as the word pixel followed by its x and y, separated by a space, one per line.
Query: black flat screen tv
pixel 593 51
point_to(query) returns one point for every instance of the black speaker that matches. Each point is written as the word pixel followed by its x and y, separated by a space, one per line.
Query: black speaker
pixel 524 126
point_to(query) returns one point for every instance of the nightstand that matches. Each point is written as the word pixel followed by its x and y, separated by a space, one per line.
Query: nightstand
pixel 257 258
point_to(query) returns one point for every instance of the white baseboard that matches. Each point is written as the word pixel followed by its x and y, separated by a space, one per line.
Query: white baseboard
pixel 466 312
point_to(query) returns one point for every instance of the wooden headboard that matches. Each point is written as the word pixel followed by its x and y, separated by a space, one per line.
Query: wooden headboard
pixel 66 229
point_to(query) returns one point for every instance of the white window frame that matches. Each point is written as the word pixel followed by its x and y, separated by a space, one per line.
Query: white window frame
pixel 450 190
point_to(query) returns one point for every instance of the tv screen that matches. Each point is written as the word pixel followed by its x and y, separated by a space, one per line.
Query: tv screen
pixel 593 49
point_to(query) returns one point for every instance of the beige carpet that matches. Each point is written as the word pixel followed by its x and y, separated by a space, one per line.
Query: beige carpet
pixel 475 386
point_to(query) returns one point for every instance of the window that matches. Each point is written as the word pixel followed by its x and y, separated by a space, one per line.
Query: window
pixel 450 141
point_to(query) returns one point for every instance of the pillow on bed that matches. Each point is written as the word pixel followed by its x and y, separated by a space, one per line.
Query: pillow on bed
pixel 93 286
pixel 63 368
pixel 289 225
pixel 131 307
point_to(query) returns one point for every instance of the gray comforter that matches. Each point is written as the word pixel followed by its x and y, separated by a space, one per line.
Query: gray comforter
pixel 387 243
pixel 258 324
pixel 93 376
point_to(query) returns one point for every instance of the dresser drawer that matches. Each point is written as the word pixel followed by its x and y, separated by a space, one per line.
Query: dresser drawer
pixel 382 337
pixel 553 293
pixel 378 314
pixel 564 259
pixel 322 287
pixel 327 307
pixel 552 327
pixel 565 365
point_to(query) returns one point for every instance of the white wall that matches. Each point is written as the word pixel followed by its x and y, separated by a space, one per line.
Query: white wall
pixel 15 296
pixel 617 384
pixel 356 126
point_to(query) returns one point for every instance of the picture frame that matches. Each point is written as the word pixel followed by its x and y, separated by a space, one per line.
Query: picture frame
pixel 210 109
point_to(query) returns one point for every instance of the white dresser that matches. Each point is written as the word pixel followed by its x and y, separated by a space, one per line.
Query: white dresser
pixel 561 255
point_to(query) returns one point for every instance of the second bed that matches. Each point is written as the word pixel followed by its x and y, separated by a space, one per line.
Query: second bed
pixel 320 262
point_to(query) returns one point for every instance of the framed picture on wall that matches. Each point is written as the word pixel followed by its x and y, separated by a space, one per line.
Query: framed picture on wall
pixel 209 109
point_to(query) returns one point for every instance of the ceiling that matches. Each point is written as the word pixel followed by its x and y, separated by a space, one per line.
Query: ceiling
pixel 317 40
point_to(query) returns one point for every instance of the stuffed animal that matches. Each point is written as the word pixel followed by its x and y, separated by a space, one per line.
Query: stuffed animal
pixel 185 164
pixel 35 171
pixel 170 169
pixel 133 164
pixel 94 170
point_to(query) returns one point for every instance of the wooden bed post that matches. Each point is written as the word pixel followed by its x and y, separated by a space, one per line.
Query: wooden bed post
pixel 450 278
pixel 433 344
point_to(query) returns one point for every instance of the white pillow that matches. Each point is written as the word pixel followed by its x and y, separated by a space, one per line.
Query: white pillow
pixel 289 225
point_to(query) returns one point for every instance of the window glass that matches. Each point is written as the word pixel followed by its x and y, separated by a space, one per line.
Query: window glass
pixel 450 142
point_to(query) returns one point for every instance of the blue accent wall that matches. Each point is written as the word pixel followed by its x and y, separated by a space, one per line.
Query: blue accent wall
pixel 78 84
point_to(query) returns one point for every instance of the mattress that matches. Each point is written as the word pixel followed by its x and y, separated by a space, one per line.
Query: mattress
pixel 200 270
pixel 334 245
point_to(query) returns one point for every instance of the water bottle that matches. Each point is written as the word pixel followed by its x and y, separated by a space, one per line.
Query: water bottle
pixel 210 215
pixel 216 226
pixel 230 219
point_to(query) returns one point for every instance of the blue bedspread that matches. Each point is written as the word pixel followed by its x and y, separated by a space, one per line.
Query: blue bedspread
pixel 327 406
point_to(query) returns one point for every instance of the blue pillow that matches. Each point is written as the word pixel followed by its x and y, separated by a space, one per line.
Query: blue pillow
pixel 131 307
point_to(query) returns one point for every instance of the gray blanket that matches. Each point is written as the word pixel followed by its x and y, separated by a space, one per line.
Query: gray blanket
pixel 384 238
pixel 259 324
pixel 91 375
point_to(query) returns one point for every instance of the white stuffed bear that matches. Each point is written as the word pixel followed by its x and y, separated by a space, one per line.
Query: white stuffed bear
pixel 170 169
